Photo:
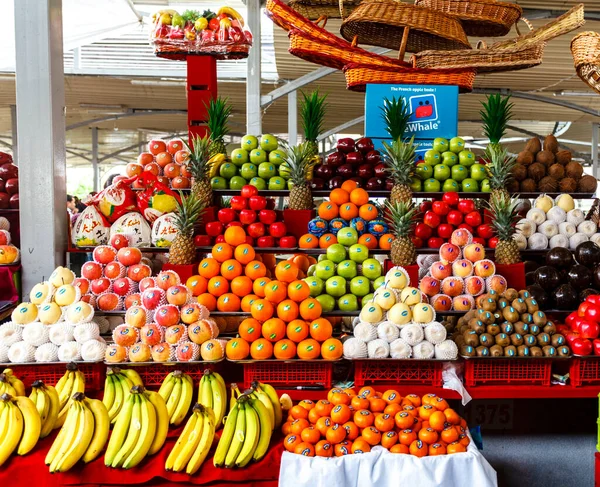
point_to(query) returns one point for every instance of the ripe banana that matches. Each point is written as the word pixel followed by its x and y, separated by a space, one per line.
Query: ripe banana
pixel 231 12
pixel 226 437
pixel 162 421
pixel 65 435
pixel 192 441
pixel 101 429
pixel 120 431
pixel 270 391
pixel 167 385
pixel 174 397
pixel 47 404
pixel 252 435
pixel 17 384
pixel 32 424
pixel 205 396
pixel 265 433
pixel 133 433
pixel 10 441
pixel 235 393
pixel 147 431
pixel 185 400
pixel 120 396
pixel 181 442
pixel 133 376
pixel 215 163
pixel 6 387
pixel 219 391
pixel 84 430
pixel 239 436
pixel 108 398
pixel 205 443
pixel 262 397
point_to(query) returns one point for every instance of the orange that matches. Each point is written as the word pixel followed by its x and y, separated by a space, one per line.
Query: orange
pixel 332 349
pixel 301 261
pixel 451 416
pixel 360 446
pixel 305 449
pixel 368 212
pixel 336 434
pixel 321 329
pixel 428 399
pixel 228 302
pixel 437 449
pixel 323 407
pixel 273 329
pixel 197 285
pixel 247 302
pixel 208 300
pixel 297 330
pixel 384 422
pixel 275 291
pixel 310 309
pixel 209 267
pixel 313 416
pixel 261 310
pixel 428 435
pixel 455 447
pixel 327 240
pixel 328 210
pixel 240 285
pixel 359 196
pixel 259 286
pixel 406 437
pixel 217 286
pixel 449 435
pixel 298 290
pixel 332 392
pixel 413 399
pixel 359 402
pixel 323 424
pixel 385 241
pixel 250 329
pixel 398 448
pixel 342 449
pixel 348 211
pixel 418 448
pixel 255 270
pixel 261 349
pixel 437 421
pixel 377 405
pixel 237 349
pixel 349 185
pixel 372 435
pixel 364 418
pixel 392 409
pixel 367 391
pixel 339 196
pixel 310 435
pixel 350 391
pixel 324 449
pixel 291 441
pixel 404 420
pixel 368 240
pixel 286 271
pixel 352 431
pixel 231 269
pixel 287 310
pixel 389 439
pixel 391 396
pixel 308 241
pixel 426 411
pixel 235 235
pixel 244 253
pixel 418 424
pixel 221 252
pixel 409 408
pixel 341 414
pixel 298 412
pixel 284 349
pixel 308 349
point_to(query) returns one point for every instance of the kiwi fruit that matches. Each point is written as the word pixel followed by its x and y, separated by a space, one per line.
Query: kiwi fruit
pixel 558 340
pixel 551 144
pixel 471 338
pixel 486 339
pixel 524 294
pixel 478 327
pixel 520 305
pixel 574 170
pixel 493 329
pixel 467 351
pixel 563 157
pixel 503 303
pixel 529 340
pixel 536 171
pixel 587 184
pixel 521 328
pixel 482 351
pixel 549 351
pixel 496 351
pixel 534 329
pixel 545 157
pixel 523 351
pixel 485 316
pixel 459 340
pixel 536 352
pixel 563 351
pixel 512 186
pixel 510 351
pixel 527 318
pixel 567 185
pixel 532 305
pixel 510 314
pixel 470 314
pixel 507 327
pixel 543 339
pixel 549 328
pixel 489 305
pixel 533 145
pixel 539 318
pixel 516 339
pixel 498 318
pixel 556 171
pixel 548 184
pixel 502 340
pixel 519 172
pixel 528 185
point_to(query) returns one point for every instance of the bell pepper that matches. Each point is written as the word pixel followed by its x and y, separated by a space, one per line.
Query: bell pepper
pixel 582 347
pixel 596 344
pixel 592 313
pixel 589 329
pixel 571 337
pixel 570 319
pixel 582 307
pixel 594 299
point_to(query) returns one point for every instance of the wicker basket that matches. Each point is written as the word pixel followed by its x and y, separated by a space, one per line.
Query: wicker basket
pixel 391 24
pixel 479 18
pixel 585 48
pixel 359 75
pixel 314 9
pixel 179 52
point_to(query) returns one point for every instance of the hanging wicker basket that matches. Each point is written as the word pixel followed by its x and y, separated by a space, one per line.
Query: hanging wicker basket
pixel 314 9
pixel 585 48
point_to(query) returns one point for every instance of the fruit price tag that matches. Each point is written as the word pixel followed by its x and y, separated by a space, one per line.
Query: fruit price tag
pixel 493 414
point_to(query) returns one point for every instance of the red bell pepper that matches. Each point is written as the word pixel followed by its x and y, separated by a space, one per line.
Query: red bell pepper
pixel 594 299
pixel 582 347
pixel 570 319
pixel 571 337
pixel 596 344
pixel 592 313
pixel 563 329
pixel 582 307
pixel 589 329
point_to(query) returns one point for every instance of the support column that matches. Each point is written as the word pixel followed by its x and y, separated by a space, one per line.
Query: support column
pixel 253 78
pixel 95 166
pixel 14 133
pixel 595 150
pixel 293 117
pixel 41 129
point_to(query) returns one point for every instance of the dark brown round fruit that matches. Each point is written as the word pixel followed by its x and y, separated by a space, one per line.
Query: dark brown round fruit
pixel 516 339
pixel 574 170
pixel 471 338
pixel 549 351
pixel 482 351
pixel 548 184
pixel 557 171
pixel 567 185
pixel 467 351
pixel 536 171
pixel 519 172
pixel 528 185
pixel 545 157
pixel 496 351
pixel 525 157
pixel 563 157
pixel 587 184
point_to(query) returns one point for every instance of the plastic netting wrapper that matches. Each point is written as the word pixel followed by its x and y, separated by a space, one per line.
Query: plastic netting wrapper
pixel 114 201
pixel 156 199
pixel 134 227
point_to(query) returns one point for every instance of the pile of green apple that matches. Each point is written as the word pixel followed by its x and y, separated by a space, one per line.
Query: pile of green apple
pixel 259 163
pixel 448 166
pixel 344 278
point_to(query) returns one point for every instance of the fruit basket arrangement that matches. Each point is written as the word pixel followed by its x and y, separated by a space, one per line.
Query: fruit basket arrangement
pixel 221 34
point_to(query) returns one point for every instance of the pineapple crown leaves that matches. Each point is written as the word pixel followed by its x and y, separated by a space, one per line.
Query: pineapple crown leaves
pixel 399 159
pixel 395 114
pixel 504 214
pixel 187 214
pixel 401 216
pixel 496 113
pixel 312 114
pixel 218 111
pixel 298 160
pixel 499 166
pixel 199 150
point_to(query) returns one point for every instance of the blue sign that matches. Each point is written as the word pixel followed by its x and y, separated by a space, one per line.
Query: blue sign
pixel 422 147
pixel 433 110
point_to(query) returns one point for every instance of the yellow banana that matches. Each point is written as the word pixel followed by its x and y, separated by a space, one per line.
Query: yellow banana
pixel 174 398
pixel 79 382
pixel 119 399
pixel 71 436
pixel 191 442
pixel 219 401
pixel 265 433
pixel 32 424
pixel 239 436
pixel 133 434
pixel 133 376
pixel 41 401
pixel 60 385
pixel 183 406
pixel 215 163
pixel 205 394
pixel 262 397
pixel 181 441
pixel 101 429
pixel 227 436
pixel 4 418
pixel 162 421
pixel 6 387
pixel 233 396
pixel 167 386
pixel 119 432
pixel 65 435
pixel 232 13
pixel 251 439
pixel 17 384
pixel 109 392
pixel 85 432
pixel 147 432
pixel 53 411
pixel 65 391
pixel 205 443
pixel 13 433
pixel 270 391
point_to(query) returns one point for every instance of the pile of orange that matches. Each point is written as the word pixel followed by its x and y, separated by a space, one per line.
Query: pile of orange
pixel 348 422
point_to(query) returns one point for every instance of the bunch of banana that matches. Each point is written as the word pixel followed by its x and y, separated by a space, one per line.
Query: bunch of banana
pixel 141 429
pixel 215 163
pixel 14 382
pixel 20 425
pixel 83 435
pixel 267 394
pixel 117 385
pixel 177 390
pixel 67 386
pixel 194 443
pixel 47 403
pixel 233 13
pixel 212 393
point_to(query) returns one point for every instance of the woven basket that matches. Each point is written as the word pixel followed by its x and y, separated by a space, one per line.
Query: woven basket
pixel 178 52
pixel 392 24
pixel 585 48
pixel 314 9
pixel 359 75
pixel 479 18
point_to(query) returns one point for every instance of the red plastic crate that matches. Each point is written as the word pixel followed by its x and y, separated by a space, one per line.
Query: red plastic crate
pixel 283 374
pixel 153 374
pixel 397 372
pixel 585 371
pixel 507 371
pixel 51 373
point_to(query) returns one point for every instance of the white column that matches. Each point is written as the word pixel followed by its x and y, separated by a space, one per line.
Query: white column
pixel 253 110
pixel 41 143
pixel 95 166
pixel 293 117
pixel 14 133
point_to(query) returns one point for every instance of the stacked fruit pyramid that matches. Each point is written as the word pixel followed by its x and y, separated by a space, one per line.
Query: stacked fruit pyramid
pixel 166 160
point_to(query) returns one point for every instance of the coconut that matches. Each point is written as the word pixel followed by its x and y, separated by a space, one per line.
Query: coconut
pixel 526 227
pixel 548 184
pixel 568 185
pixel 565 201
pixel 574 170
pixel 528 185
pixel 575 217
pixel 538 241
pixel 543 202
pixel 533 145
pixel 576 239
pixel 567 229
pixel 521 241
pixel 557 171
pixel 551 144
pixel 536 171
pixel 563 157
pixel 587 227
pixel 545 157
pixel 559 241
pixel 587 184
pixel 556 214
pixel 536 215
pixel 525 158
pixel 519 172
pixel 512 186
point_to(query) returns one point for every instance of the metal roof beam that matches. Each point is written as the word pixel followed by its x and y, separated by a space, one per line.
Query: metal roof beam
pixel 339 128
pixel 133 113
pixel 534 14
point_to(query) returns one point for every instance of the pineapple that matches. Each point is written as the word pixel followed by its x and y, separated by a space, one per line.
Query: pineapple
pixel 499 166
pixel 312 113
pixel 401 218
pixel 199 166
pixel 298 165
pixel 504 212
pixel 496 115
pixel 395 114
pixel 218 111
pixel 183 250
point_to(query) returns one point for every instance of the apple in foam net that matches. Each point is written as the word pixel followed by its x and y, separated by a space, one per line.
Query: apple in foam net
pixel 119 241
pixel 441 302
pixel 138 272
pixel 91 270
pixel 135 316
pixel 104 254
pixel 441 270
pixel 167 279
pixel 129 256
pixel 474 285
pixel 122 286
pixel 152 298
pixel 452 286
pixel 100 285
pixel 462 268
pixel 474 252
pixel 83 284
pixel 146 282
pixel 449 252
pixel 167 315
pixel 133 300
pixel 177 295
pixel 190 313
pixel 484 268
pixel 114 270
pixel 429 286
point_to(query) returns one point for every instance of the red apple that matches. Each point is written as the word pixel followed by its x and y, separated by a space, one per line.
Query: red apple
pixel 380 171
pixel 365 171
pixel 473 219
pixel 247 216
pixel 417 242
pixel 425 206
pixel 129 256
pixel 354 158
pixel 146 283
pixel 423 231
pixel 267 216
pixel 345 170
pixel 287 242
pixel 12 186
pixel 234 224
pixel 466 206
pixel 265 242
pixel 454 217
pixel 435 242
pixel 203 240
pixel 365 145
pixel 214 228
pixel 156 146
pixel 487 216
pixel 336 159
pixel 257 203
pixel 345 145
pixel 373 157
pixel 220 239
pixel 248 190
pixel 277 229
pixel 226 215
pixel 2 186
pixel 91 270
pixel 445 230
pixel 104 254
pixel 485 231
pixel 493 242
pixel 431 219
pixel 336 182
pixel 119 241
pixel 178 295
pixel 256 230
pixel 4 201
pixel 479 240
pixel 137 272
pixel 114 270
pixel 122 286
pixel 152 298
pixel 451 198
pixel 440 208
pixel 8 171
pixel 14 201
pixel 249 240
pixel 99 286
pixel 324 171
pixel 466 227
pixel 239 202
pixel 374 184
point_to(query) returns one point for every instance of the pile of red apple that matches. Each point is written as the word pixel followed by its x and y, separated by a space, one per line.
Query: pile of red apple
pixel 357 161
pixel 256 215
pixel 582 327
pixel 9 182
pixel 439 218
pixel 166 160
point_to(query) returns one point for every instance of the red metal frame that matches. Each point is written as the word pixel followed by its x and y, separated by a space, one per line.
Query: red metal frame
pixel 585 371
pixel 51 373
pixel 153 375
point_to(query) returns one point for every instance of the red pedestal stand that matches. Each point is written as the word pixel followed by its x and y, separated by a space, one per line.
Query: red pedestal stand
pixel 201 88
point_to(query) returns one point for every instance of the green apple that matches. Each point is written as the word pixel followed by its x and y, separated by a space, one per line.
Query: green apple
pixel 431 185
pixel 440 144
pixel 258 156
pixel 459 173
pixel 277 157
pixel 450 185
pixel 432 157
pixel 218 183
pixel 366 299
pixel 457 145
pixel 416 184
pixel 267 170
pixel 348 302
pixel 380 281
pixel 358 253
pixel 258 183
pixel 371 269
pixel 424 171
pixel 321 257
pixel 347 269
pixel 284 170
pixel 347 236
pixel 485 186
pixel 239 156
pixel 276 182
pixel 360 286
pixel 325 269
pixel 228 170
pixel 327 302
pixel 478 172
pixel 178 21
pixel 466 158
pixel 336 253
pixel 469 185
pixel 311 270
pixel 268 142
pixel 248 171
pixel 441 172
pixel 449 158
pixel 335 286
pixel 249 142
pixel 315 284
pixel 237 182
